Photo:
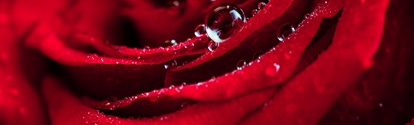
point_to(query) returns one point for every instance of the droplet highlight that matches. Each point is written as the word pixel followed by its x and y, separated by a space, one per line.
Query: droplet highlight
pixel 171 42
pixel 254 12
pixel 241 64
pixel 212 45
pixel 272 70
pixel 170 64
pixel 284 31
pixel 261 5
pixel 223 21
pixel 200 30
pixel 153 98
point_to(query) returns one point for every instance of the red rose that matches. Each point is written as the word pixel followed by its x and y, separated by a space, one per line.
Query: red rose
pixel 130 62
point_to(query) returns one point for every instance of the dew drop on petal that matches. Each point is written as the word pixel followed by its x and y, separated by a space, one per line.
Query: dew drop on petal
pixel 189 47
pixel 200 30
pixel 306 16
pixel 254 12
pixel 153 98
pixel 223 21
pixel 170 64
pixel 261 5
pixel 284 31
pixel 171 42
pixel 241 64
pixel 212 45
pixel 147 47
pixel 258 54
pixel 272 70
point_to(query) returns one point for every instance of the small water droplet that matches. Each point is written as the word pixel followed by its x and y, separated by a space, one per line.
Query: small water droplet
pixel 223 21
pixel 170 64
pixel 380 105
pixel 212 45
pixel 284 31
pixel 147 47
pixel 241 64
pixel 200 30
pixel 254 12
pixel 189 47
pixel 306 16
pixel 171 86
pixel 171 42
pixel 261 5
pixel 176 3
pixel 257 55
pixel 272 70
pixel 153 98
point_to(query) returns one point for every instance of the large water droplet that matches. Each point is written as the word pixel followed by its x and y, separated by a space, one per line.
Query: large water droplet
pixel 284 31
pixel 212 45
pixel 272 70
pixel 223 21
pixel 200 30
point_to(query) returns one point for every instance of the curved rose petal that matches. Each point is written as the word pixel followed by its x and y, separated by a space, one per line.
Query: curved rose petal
pixel 274 9
pixel 64 107
pixel 285 55
pixel 102 76
pixel 383 94
pixel 308 96
pixel 194 46
pixel 19 101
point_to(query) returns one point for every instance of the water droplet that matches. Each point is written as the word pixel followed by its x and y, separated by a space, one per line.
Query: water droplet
pixel 200 30
pixel 380 105
pixel 153 98
pixel 223 21
pixel 176 3
pixel 254 12
pixel 212 45
pixel 306 16
pixel 105 41
pixel 284 31
pixel 147 47
pixel 189 47
pixel 171 86
pixel 171 42
pixel 257 55
pixel 261 5
pixel 272 70
pixel 170 64
pixel 241 64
